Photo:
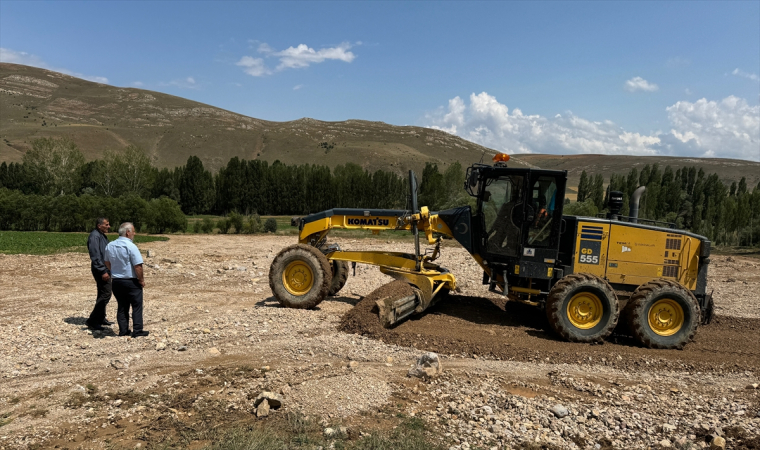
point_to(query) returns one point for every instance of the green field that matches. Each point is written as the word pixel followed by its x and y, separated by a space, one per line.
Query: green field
pixel 44 243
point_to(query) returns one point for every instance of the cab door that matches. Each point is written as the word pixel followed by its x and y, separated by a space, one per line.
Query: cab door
pixel 542 223
pixel 501 211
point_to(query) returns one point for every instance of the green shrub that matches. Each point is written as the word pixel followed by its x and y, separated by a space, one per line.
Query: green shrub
pixel 208 225
pixel 136 210
pixel 252 225
pixel 224 225
pixel 236 220
pixel 584 209
pixel 270 226
pixel 165 216
pixel 197 227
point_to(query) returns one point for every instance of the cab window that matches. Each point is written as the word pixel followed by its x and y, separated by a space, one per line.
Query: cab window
pixel 501 207
pixel 543 211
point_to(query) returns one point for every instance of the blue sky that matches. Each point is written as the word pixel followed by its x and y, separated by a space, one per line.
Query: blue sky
pixel 671 78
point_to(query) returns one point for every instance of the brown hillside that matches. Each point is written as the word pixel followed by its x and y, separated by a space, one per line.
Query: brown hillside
pixel 40 103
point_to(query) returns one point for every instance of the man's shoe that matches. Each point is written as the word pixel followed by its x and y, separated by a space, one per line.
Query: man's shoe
pixel 107 322
pixel 140 333
pixel 93 327
pixel 126 333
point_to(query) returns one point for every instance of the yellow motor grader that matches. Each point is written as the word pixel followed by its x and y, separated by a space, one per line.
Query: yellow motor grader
pixel 584 273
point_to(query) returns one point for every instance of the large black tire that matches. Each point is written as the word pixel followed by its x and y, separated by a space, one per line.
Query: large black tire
pixel 300 276
pixel 339 276
pixel 582 308
pixel 653 314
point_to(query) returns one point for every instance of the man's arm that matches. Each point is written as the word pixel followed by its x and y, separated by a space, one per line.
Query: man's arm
pixel 107 273
pixel 139 273
pixel 93 246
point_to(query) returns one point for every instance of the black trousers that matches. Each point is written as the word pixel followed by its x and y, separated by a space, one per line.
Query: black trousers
pixel 128 293
pixel 98 314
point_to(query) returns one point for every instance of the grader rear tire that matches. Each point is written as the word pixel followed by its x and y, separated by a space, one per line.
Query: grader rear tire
pixel 339 276
pixel 663 314
pixel 582 308
pixel 300 277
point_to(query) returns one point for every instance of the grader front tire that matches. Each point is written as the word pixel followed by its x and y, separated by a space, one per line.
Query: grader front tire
pixel 300 276
pixel 582 308
pixel 663 314
pixel 339 276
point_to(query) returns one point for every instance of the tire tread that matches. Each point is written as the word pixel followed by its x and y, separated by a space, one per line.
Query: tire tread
pixel 313 297
pixel 637 306
pixel 556 300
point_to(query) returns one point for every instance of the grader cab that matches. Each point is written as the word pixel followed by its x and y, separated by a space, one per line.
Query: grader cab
pixel 584 273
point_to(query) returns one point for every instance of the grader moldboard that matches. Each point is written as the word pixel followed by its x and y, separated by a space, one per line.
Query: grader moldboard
pixel 583 272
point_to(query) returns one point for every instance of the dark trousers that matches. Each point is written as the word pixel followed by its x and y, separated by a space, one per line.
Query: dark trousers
pixel 128 293
pixel 98 314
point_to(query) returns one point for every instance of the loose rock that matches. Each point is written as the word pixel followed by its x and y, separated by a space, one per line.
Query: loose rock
pixel 262 410
pixel 119 364
pixel 559 411
pixel 428 365
pixel 272 399
pixel 718 443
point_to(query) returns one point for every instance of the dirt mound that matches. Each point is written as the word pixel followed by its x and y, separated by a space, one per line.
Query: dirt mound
pixel 363 320
pixel 495 329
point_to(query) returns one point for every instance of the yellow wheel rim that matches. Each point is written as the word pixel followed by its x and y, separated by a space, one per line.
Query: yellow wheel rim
pixel 585 310
pixel 298 278
pixel 666 317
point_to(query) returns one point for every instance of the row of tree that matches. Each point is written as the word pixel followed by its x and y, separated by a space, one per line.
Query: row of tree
pixel 22 212
pixel 688 197
pixel 55 168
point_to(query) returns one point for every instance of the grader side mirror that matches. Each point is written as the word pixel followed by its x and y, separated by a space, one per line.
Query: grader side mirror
pixel 471 182
pixel 473 178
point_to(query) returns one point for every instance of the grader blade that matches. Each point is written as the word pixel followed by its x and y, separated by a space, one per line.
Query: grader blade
pixel 393 310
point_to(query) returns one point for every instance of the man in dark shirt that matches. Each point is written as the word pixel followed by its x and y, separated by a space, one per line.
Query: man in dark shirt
pixel 96 244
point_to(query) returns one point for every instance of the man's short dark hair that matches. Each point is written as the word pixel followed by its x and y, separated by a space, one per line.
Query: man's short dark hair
pixel 101 220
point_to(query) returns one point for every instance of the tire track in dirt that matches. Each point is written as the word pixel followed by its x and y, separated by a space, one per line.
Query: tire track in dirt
pixel 495 329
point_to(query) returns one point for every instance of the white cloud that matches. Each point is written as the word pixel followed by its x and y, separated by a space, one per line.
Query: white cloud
pixel 294 58
pixel 184 83
pixel 489 123
pixel 687 91
pixel 297 87
pixel 728 129
pixel 253 66
pixel 303 56
pixel 640 84
pixel 11 56
pixel 138 84
pixel 750 76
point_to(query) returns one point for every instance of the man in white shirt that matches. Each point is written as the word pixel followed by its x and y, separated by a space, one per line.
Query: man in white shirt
pixel 125 263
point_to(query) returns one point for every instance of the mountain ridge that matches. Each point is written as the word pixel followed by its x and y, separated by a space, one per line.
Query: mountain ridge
pixel 38 103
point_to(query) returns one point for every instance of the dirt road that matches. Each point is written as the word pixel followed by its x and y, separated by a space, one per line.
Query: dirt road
pixel 218 339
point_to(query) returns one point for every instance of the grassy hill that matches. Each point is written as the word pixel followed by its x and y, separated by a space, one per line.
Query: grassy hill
pixel 39 103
